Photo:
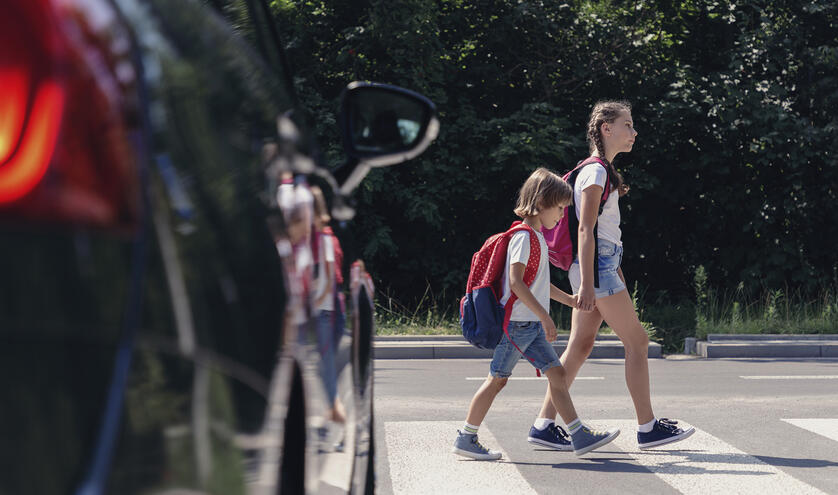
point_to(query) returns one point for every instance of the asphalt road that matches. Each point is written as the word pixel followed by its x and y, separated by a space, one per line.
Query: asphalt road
pixel 763 426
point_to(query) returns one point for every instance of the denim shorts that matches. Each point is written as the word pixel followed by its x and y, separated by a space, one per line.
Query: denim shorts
pixel 530 338
pixel 610 256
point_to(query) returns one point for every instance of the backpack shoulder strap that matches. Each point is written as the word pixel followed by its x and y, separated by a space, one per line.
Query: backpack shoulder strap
pixel 571 176
pixel 535 250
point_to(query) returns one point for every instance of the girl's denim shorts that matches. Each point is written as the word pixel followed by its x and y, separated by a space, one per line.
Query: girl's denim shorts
pixel 610 256
pixel 529 336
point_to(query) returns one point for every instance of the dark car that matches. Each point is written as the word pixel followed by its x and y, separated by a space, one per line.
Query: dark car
pixel 155 337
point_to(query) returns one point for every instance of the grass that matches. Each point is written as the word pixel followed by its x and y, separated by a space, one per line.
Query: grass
pixel 778 311
pixel 667 322
pixel 431 316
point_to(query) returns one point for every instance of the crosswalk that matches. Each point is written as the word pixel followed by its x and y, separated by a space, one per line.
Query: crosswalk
pixel 702 464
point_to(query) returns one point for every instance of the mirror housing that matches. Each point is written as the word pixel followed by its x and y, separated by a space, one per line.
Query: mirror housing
pixel 382 125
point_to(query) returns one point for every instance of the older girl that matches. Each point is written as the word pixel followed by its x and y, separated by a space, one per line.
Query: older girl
pixel 610 132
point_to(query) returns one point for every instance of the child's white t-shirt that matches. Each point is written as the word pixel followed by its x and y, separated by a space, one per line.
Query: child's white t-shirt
pixel 519 252
pixel 608 224
pixel 322 284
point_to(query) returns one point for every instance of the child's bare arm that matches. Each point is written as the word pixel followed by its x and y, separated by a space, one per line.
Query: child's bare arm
pixel 563 297
pixel 520 289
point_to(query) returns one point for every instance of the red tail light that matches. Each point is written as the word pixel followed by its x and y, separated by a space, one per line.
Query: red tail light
pixel 67 111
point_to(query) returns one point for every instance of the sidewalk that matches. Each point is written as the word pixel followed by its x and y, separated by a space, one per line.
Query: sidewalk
pixel 456 347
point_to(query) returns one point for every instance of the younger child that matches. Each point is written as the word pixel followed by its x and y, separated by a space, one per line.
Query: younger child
pixel 541 201
pixel 325 288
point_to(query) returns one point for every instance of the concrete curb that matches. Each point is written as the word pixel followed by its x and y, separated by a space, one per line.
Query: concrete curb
pixel 768 346
pixel 455 347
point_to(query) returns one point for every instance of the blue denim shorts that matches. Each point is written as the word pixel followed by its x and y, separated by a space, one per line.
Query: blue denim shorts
pixel 610 256
pixel 530 338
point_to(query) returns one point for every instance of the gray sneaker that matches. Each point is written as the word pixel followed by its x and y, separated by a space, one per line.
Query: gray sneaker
pixel 467 445
pixel 586 440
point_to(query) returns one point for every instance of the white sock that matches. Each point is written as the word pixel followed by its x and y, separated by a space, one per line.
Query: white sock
pixel 647 427
pixel 541 423
pixel 574 426
pixel 470 429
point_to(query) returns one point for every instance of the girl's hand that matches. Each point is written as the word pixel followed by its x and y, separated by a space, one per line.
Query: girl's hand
pixel 574 303
pixel 549 329
pixel 586 298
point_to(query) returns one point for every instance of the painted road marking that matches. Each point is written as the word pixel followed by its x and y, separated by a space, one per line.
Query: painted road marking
pixel 421 462
pixel 527 378
pixel 826 427
pixel 790 377
pixel 704 464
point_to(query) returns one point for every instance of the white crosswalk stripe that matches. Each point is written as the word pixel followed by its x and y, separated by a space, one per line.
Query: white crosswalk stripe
pixel 705 464
pixel 421 462
pixel 826 427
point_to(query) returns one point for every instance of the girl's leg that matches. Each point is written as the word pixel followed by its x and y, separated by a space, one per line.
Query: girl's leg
pixel 583 329
pixel 619 314
pixel 482 400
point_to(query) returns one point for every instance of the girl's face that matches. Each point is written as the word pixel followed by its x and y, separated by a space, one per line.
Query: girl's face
pixel 549 217
pixel 620 134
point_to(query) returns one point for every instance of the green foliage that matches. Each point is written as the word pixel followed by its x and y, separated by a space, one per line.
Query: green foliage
pixel 734 167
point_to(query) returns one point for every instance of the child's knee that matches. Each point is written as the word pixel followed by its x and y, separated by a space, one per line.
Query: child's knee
pixel 583 345
pixel 556 376
pixel 638 343
pixel 496 383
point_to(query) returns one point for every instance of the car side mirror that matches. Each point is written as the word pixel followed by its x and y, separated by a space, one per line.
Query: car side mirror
pixel 383 125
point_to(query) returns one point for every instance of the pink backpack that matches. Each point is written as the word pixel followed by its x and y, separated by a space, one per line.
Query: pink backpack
pixel 561 239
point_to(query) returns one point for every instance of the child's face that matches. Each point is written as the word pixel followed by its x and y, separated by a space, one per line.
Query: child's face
pixel 621 133
pixel 550 217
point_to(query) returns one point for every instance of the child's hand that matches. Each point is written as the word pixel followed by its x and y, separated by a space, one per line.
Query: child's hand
pixel 549 329
pixel 577 302
pixel 587 298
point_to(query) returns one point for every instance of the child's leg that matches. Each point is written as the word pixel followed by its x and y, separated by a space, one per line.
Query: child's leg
pixel 584 439
pixel 504 359
pixel 583 329
pixel 619 313
pixel 559 395
pixel 482 400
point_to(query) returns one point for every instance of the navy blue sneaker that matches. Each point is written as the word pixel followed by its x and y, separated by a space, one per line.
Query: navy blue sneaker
pixel 553 437
pixel 665 431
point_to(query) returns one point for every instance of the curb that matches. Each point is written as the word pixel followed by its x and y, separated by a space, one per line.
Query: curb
pixel 455 347
pixel 766 346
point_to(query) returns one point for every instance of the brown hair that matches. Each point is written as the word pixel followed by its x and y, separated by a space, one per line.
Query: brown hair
pixel 606 111
pixel 321 212
pixel 543 189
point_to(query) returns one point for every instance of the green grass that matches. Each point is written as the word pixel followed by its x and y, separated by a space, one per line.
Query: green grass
pixel 429 317
pixel 667 322
pixel 777 311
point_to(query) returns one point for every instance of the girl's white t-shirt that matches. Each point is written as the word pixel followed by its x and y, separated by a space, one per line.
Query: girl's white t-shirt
pixel 608 224
pixel 519 252
pixel 322 284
